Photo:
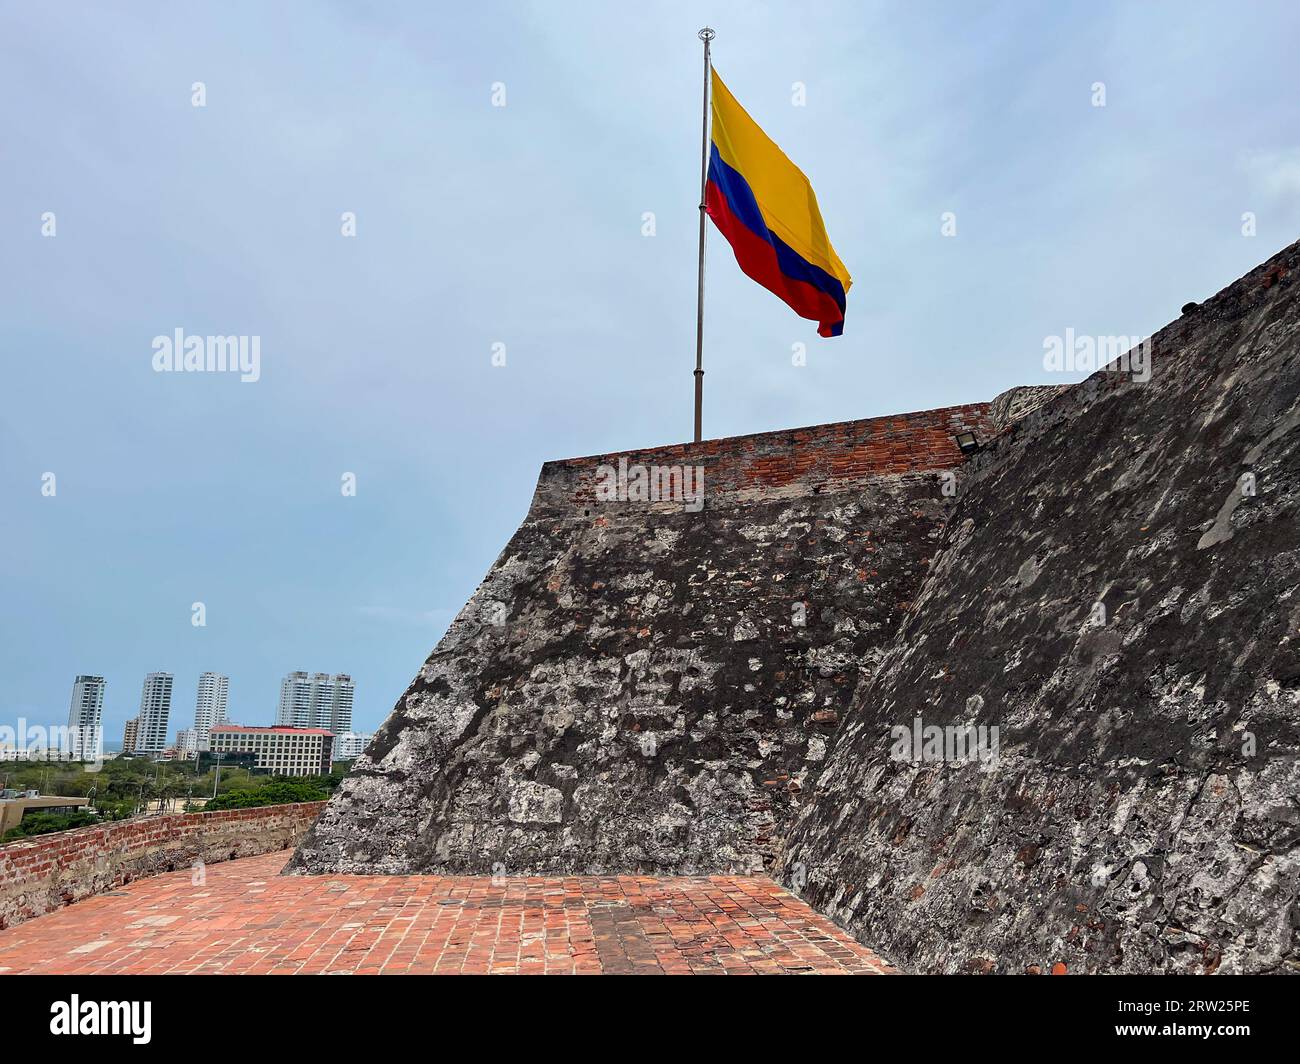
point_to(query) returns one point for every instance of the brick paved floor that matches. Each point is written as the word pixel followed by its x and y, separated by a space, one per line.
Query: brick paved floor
pixel 246 919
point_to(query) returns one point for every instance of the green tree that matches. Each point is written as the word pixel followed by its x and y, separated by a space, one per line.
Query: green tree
pixel 279 792
pixel 41 823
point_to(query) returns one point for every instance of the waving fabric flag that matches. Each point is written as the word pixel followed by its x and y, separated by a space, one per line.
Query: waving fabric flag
pixel 765 207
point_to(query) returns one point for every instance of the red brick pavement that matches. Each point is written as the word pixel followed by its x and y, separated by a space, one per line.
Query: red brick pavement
pixel 244 918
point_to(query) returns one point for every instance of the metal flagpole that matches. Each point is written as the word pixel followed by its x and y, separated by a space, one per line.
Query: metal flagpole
pixel 706 35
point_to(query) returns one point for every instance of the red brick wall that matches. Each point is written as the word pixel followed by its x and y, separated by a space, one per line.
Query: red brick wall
pixel 790 462
pixel 42 874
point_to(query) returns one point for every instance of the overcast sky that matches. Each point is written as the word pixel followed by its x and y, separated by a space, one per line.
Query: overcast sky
pixel 523 225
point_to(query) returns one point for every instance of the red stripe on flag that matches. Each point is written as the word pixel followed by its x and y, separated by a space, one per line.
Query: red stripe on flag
pixel 757 259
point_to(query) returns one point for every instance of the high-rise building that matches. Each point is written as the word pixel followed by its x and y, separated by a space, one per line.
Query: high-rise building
pixel 350 745
pixel 295 708
pixel 84 714
pixel 130 736
pixel 340 710
pixel 186 744
pixel 316 701
pixel 210 708
pixel 155 709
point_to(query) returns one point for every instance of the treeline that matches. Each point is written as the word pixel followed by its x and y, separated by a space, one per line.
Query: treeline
pixel 130 786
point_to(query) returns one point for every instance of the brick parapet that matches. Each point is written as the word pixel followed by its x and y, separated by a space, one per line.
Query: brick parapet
pixel 47 872
pixel 790 463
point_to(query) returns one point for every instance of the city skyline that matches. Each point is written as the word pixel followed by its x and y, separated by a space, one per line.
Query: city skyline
pixel 90 699
pixel 376 349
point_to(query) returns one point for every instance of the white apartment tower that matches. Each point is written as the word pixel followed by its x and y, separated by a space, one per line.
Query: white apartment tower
pixel 340 714
pixel 210 709
pixel 155 708
pixel 84 713
pixel 186 747
pixel 316 701
pixel 350 745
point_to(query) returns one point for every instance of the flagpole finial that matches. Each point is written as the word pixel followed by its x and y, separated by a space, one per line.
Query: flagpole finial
pixel 706 34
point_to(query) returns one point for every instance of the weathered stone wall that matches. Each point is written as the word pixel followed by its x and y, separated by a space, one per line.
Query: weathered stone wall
pixel 1107 595
pixel 639 687
pixel 636 687
pixel 44 873
pixel 1016 403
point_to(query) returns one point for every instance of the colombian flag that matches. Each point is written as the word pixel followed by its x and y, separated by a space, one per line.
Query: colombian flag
pixel 765 207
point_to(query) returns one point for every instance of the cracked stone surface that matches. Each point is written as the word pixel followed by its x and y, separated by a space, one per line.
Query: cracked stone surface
pixel 1112 581
pixel 1145 812
pixel 640 688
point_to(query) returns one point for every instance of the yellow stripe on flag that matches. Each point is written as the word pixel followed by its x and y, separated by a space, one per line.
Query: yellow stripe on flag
pixel 784 194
